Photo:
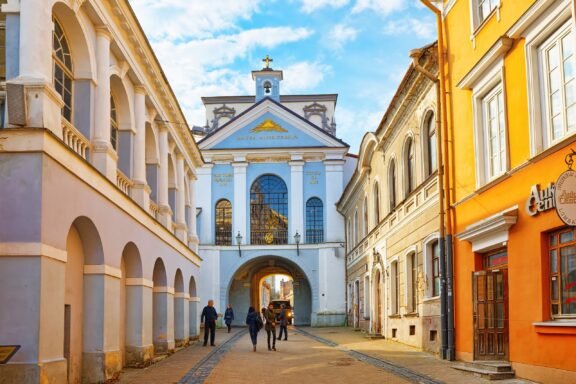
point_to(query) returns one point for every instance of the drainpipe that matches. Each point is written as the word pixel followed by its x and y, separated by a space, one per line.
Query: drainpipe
pixel 446 292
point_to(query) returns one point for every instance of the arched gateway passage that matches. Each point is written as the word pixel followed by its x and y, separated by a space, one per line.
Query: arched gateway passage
pixel 244 287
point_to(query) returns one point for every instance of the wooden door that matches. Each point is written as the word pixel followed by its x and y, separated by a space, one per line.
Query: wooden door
pixel 490 295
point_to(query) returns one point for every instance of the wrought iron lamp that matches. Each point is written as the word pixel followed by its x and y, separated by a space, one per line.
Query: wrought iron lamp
pixel 297 241
pixel 239 241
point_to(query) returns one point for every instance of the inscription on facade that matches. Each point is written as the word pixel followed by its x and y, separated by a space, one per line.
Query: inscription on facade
pixel 223 179
pixel 312 177
pixel 540 200
pixel 266 137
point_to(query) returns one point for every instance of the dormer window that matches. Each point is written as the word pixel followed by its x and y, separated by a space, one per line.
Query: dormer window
pixel 267 87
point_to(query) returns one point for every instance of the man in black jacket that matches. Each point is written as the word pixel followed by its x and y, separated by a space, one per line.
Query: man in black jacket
pixel 209 317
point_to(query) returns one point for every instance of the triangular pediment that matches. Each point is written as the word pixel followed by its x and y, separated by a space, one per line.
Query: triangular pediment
pixel 268 124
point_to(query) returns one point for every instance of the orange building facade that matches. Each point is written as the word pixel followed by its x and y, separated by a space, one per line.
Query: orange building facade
pixel 511 87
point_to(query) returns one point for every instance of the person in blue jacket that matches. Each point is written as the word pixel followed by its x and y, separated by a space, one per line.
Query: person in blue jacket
pixel 209 317
pixel 228 317
pixel 254 322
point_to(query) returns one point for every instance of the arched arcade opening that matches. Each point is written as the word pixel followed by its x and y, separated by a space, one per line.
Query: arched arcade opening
pixel 245 287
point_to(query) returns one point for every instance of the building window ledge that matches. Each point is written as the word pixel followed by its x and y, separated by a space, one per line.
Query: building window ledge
pixel 412 314
pixel 565 327
pixel 396 316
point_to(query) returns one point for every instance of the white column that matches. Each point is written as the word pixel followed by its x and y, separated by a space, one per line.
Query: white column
pixel 164 210
pixel 296 222
pixel 192 234
pixel 35 40
pixel 204 201
pixel 29 65
pixel 140 189
pixel 334 170
pixel 180 216
pixel 240 202
pixel 103 155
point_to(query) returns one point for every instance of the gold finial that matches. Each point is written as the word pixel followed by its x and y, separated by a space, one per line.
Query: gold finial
pixel 267 60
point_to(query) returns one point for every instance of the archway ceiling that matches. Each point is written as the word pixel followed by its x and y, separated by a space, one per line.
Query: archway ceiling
pixel 269 265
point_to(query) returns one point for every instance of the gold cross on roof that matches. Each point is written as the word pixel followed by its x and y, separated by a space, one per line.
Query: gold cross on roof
pixel 267 60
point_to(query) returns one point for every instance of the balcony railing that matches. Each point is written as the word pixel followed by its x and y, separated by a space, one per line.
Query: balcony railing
pixel 269 236
pixel 74 139
pixel 123 182
pixel 154 209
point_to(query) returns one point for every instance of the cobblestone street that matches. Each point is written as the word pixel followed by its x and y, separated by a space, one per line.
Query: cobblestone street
pixel 311 355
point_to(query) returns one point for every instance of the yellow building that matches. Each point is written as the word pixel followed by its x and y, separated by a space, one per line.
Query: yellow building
pixel 391 211
pixel 511 90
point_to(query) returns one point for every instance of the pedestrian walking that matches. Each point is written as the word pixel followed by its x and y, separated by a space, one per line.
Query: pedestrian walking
pixel 254 322
pixel 209 317
pixel 228 317
pixel 283 321
pixel 271 326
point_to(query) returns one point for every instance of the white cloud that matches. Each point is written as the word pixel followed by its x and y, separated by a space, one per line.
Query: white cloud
pixel 383 7
pixel 178 19
pixel 309 6
pixel 303 76
pixel 340 35
pixel 196 68
pixel 422 29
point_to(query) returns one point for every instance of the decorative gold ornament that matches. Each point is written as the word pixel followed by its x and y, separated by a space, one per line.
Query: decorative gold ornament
pixel 268 125
pixel 269 238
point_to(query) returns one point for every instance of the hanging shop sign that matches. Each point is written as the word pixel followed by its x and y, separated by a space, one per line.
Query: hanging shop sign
pixel 565 196
pixel 540 200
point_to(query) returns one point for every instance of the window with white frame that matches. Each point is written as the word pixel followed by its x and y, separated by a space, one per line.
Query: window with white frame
pixel 431 146
pixel 550 61
pixel 411 281
pixel 392 185
pixel 494 132
pixel 431 265
pixel 349 233
pixel 395 288
pixel 558 66
pixel 481 10
pixel 409 167
pixel 366 305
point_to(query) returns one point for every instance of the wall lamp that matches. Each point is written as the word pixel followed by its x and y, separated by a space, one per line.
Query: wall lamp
pixel 297 241
pixel 239 241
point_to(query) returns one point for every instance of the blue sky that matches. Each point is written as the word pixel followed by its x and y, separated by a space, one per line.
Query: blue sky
pixel 356 48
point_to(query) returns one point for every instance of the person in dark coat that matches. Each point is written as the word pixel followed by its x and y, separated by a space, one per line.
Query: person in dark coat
pixel 229 316
pixel 209 317
pixel 283 321
pixel 254 322
pixel 271 326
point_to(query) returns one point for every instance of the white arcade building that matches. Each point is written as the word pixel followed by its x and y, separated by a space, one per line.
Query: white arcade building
pixel 266 200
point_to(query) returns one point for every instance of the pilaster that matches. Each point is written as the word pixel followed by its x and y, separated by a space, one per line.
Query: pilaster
pixel 139 347
pixel 204 201
pixel 296 223
pixel 334 170
pixel 239 204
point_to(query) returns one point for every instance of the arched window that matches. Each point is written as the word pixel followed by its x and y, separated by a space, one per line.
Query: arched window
pixel 431 145
pixel 314 221
pixel 409 167
pixel 376 204
pixel 223 222
pixel 269 211
pixel 392 184
pixel 365 214
pixel 113 125
pixel 356 233
pixel 62 70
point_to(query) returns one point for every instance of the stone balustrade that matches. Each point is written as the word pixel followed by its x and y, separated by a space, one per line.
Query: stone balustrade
pixel 74 139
